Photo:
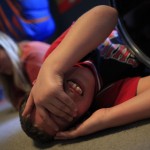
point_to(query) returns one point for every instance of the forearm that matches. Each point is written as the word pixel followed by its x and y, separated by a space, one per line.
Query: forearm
pixel 135 109
pixel 87 33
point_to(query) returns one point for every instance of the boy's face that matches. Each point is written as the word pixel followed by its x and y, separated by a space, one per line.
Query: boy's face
pixel 5 63
pixel 79 84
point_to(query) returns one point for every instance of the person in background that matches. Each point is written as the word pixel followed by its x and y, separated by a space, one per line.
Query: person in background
pixel 19 65
pixel 27 19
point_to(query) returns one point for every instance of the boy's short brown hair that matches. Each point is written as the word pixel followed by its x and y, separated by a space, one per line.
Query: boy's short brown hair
pixel 28 127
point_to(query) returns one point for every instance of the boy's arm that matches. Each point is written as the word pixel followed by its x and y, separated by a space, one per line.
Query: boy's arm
pixel 87 33
pixel 137 108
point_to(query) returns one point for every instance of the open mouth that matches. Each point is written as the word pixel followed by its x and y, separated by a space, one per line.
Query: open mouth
pixel 75 87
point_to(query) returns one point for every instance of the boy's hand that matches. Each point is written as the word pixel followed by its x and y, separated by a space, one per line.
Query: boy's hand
pixel 96 122
pixel 48 95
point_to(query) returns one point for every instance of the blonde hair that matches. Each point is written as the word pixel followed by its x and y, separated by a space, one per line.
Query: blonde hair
pixel 13 52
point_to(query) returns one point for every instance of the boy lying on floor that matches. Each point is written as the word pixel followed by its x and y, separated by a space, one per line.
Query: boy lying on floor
pixel 75 78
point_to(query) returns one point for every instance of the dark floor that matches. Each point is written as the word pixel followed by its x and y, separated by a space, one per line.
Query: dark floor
pixel 64 20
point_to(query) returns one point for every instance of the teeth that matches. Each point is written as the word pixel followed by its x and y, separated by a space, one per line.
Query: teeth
pixel 75 87
pixel 78 89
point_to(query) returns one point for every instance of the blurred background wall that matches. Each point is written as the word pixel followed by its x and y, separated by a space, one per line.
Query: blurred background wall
pixel 67 11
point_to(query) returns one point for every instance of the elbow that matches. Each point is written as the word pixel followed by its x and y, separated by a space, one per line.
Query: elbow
pixel 108 12
pixel 106 9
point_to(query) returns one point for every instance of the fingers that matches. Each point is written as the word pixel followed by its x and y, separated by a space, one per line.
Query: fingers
pixel 68 101
pixel 60 113
pixel 46 119
pixel 29 106
pixel 68 134
pixel 62 107
pixel 80 130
